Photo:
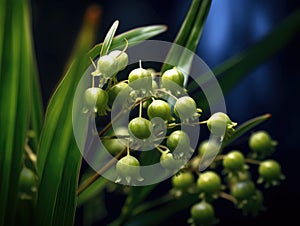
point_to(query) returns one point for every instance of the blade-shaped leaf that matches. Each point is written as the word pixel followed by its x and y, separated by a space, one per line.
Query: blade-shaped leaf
pixel 236 68
pixel 92 191
pixel 15 99
pixel 245 127
pixel 189 34
pixel 133 37
pixel 158 214
pixel 58 156
pixel 108 38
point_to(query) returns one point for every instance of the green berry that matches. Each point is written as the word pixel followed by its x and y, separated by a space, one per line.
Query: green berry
pixel 159 108
pixel 121 59
pixel 172 78
pixel 128 167
pixel 208 147
pixel 185 108
pixel 219 124
pixel 106 66
pixel 243 190
pixel 140 128
pixel 178 139
pixel 203 213
pixel 115 146
pixel 97 99
pixel 261 143
pixel 183 181
pixel 115 91
pixel 253 205
pixel 27 181
pixel 270 170
pixel 168 161
pixel 234 161
pixel 140 79
pixel 209 183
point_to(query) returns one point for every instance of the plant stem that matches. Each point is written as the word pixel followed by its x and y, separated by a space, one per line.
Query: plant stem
pixel 228 197
pixel 94 177
pixel 252 161
pixel 141 109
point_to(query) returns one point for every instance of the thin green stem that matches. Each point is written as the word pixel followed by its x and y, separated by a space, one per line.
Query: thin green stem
pixel 141 109
pixel 94 177
pixel 228 197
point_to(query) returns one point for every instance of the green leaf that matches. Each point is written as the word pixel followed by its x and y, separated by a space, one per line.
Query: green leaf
pixel 15 99
pixel 233 70
pixel 189 33
pixel 58 156
pixel 245 127
pixel 160 213
pixel 108 38
pixel 133 37
pixel 93 190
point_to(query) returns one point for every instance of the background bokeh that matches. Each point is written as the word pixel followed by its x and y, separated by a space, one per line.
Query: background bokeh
pixel 232 26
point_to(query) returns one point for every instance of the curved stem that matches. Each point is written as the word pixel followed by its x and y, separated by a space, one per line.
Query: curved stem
pixel 228 197
pixel 94 177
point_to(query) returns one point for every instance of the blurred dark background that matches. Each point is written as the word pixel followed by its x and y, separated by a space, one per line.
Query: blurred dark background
pixel 232 26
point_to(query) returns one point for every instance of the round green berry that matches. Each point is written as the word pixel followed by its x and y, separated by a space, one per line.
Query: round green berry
pixel 168 161
pixel 203 213
pixel 121 59
pixel 159 108
pixel 261 142
pixel 128 166
pixel 243 190
pixel 207 146
pixel 115 145
pixel 183 181
pixel 185 108
pixel 140 79
pixel 27 181
pixel 209 182
pixel 219 123
pixel 140 128
pixel 115 91
pixel 178 139
pixel 270 170
pixel 172 78
pixel 106 66
pixel 97 98
pixel 234 161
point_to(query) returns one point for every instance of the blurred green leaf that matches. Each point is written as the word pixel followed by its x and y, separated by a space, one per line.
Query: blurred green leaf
pixel 233 70
pixel 160 213
pixel 245 127
pixel 16 71
pixel 58 156
pixel 92 191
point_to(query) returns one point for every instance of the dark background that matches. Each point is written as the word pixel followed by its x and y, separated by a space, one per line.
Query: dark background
pixel 232 26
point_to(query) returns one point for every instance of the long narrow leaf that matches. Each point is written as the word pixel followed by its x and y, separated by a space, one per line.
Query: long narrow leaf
pixel 59 157
pixel 245 127
pixel 108 38
pixel 15 83
pixel 183 33
pixel 236 68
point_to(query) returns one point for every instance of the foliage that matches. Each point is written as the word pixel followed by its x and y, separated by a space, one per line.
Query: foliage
pixel 42 180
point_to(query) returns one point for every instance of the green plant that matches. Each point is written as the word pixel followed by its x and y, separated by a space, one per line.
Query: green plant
pixel 45 143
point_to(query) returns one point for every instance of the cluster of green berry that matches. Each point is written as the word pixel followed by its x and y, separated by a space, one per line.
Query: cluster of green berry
pixel 237 184
pixel 162 96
